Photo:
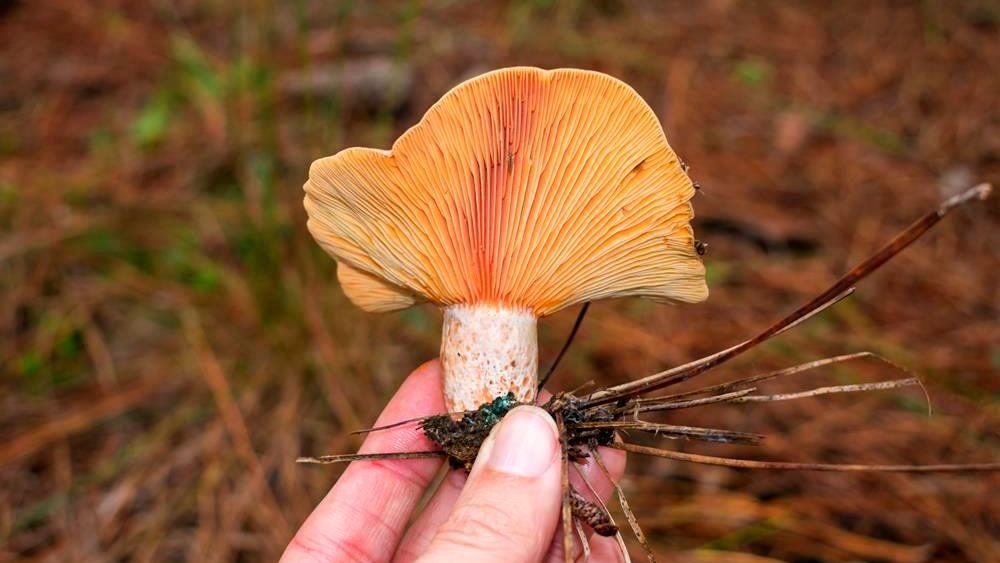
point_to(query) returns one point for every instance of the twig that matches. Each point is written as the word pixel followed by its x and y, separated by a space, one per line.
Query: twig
pixel 604 507
pixel 831 295
pixel 565 348
pixel 346 458
pixel 584 544
pixel 626 558
pixel 657 404
pixel 787 465
pixel 724 387
pixel 401 423
pixel 686 371
pixel 881 385
pixel 835 300
pixel 567 511
pixel 673 431
pixel 633 522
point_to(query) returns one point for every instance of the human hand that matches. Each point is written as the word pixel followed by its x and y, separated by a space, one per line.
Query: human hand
pixel 507 509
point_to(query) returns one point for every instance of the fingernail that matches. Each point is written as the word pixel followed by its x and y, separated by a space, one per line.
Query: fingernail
pixel 525 444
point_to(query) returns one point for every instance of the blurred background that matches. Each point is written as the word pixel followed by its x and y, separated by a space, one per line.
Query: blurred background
pixel 171 338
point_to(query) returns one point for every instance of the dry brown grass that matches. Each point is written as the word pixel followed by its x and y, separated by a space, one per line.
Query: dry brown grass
pixel 171 339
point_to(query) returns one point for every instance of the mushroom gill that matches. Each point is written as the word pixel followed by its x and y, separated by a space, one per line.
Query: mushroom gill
pixel 521 192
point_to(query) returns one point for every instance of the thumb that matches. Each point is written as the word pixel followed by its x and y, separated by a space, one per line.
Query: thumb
pixel 509 508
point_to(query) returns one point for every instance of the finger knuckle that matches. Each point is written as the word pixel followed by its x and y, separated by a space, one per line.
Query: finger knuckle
pixel 484 527
pixel 321 547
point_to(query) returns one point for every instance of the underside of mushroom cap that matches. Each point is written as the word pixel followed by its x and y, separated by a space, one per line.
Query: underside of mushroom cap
pixel 521 188
pixel 371 293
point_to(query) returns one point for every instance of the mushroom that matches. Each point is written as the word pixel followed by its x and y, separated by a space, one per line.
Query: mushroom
pixel 521 192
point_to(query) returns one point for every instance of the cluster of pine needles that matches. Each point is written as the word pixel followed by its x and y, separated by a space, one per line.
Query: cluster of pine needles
pixel 606 417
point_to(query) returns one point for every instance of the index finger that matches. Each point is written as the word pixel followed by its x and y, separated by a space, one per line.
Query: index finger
pixel 366 512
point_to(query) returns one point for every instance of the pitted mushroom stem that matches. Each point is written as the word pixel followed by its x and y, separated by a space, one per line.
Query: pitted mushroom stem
pixel 487 351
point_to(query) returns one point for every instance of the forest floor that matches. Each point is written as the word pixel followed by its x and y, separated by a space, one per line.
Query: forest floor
pixel 171 338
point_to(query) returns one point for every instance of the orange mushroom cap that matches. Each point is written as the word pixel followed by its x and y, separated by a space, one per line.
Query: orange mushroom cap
pixel 520 188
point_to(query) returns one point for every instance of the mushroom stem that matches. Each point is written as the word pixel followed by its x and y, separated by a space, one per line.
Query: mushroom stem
pixel 486 352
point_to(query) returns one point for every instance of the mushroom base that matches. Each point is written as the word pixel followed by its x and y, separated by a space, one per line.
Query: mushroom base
pixel 486 352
